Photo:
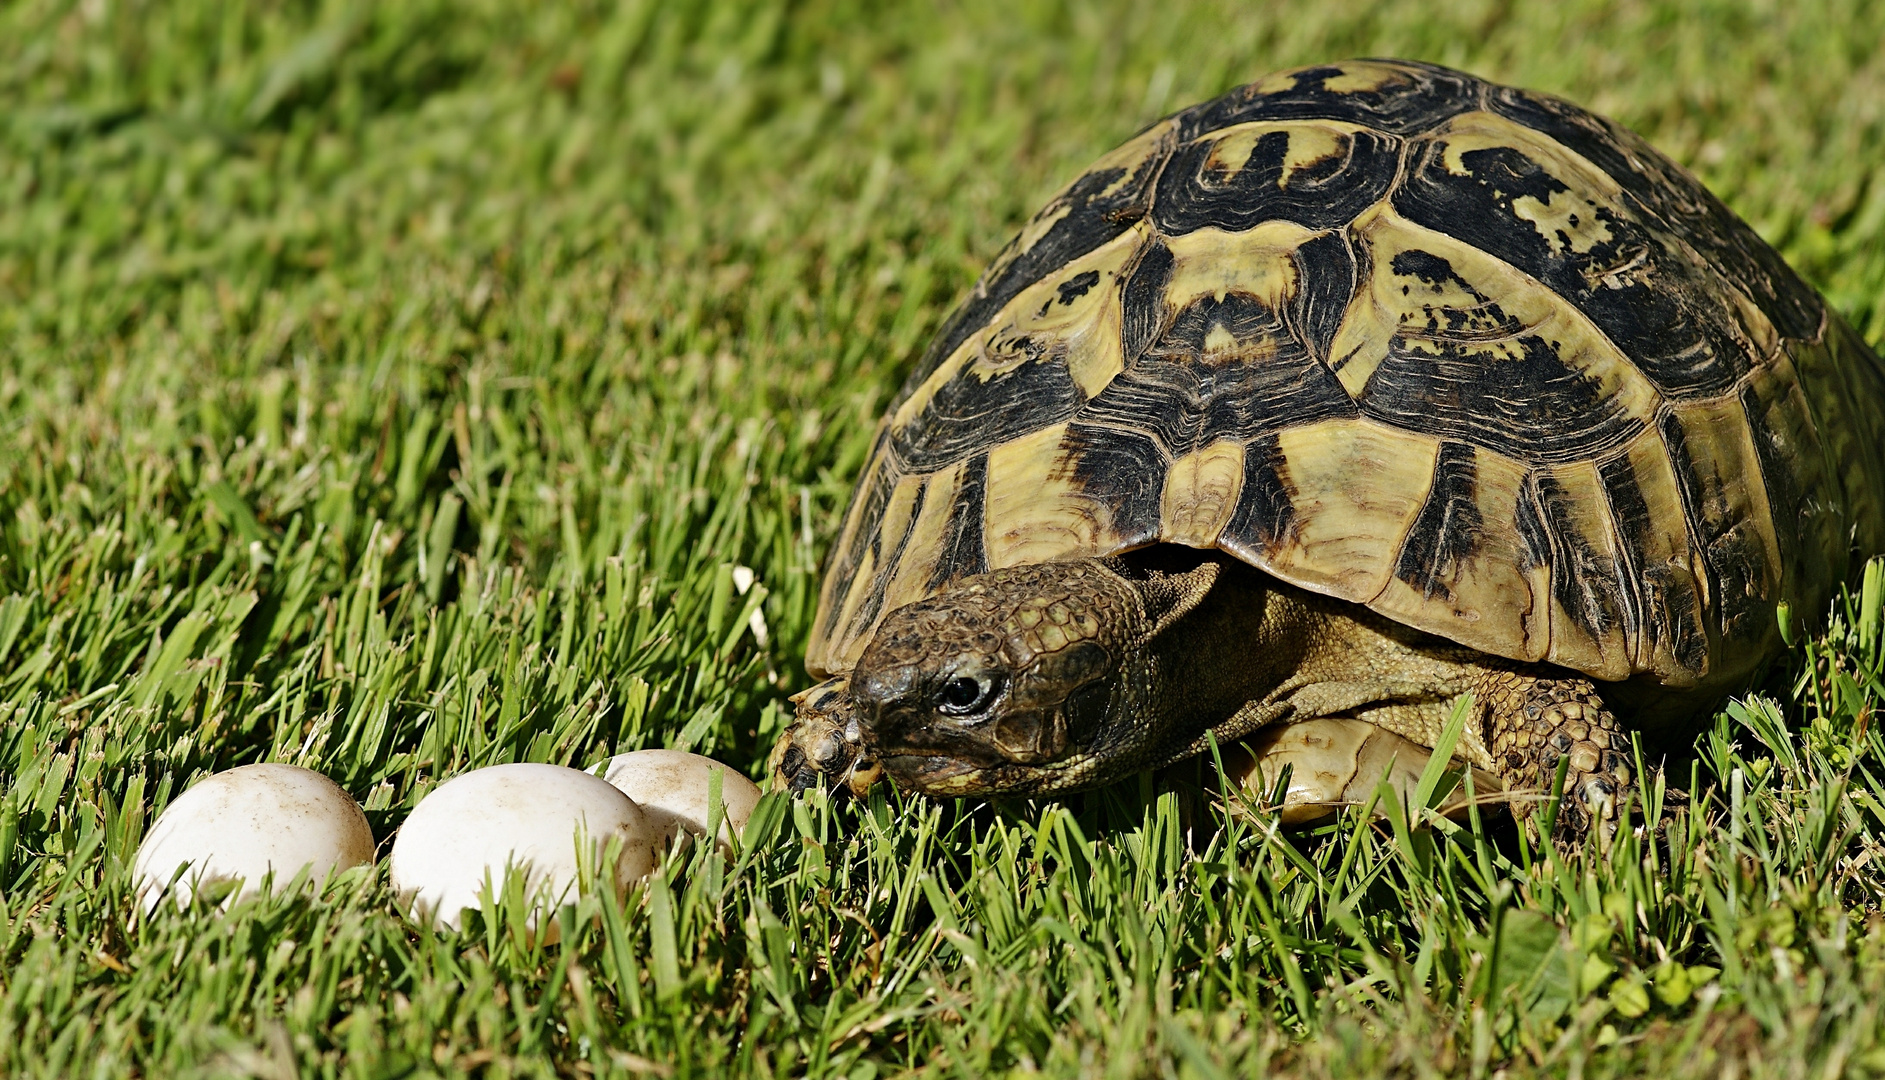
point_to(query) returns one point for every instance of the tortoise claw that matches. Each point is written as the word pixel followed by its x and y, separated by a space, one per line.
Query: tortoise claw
pixel 824 748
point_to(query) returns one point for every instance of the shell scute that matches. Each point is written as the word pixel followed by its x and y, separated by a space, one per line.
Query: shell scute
pixel 1794 466
pixel 1630 276
pixel 1665 192
pixel 883 561
pixel 1447 339
pixel 963 552
pixel 1661 566
pixel 1354 487
pixel 1464 553
pixel 1316 175
pixel 1101 203
pixel 1845 382
pixel 1200 494
pixel 1036 510
pixel 849 570
pixel 1564 522
pixel 1227 362
pixel 1054 345
pixel 1718 472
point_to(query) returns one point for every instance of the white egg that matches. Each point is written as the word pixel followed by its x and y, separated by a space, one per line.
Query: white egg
pixel 544 820
pixel 671 788
pixel 245 823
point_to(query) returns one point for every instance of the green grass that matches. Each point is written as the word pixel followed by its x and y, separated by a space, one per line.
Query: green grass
pixel 390 389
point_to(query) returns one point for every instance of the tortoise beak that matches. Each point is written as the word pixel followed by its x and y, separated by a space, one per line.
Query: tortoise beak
pixel 939 757
pixel 930 745
pixel 930 774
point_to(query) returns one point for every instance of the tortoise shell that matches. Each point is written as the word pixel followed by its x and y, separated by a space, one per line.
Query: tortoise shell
pixel 1473 357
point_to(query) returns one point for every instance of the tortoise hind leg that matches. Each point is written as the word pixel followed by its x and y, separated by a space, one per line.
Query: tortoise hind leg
pixel 1534 719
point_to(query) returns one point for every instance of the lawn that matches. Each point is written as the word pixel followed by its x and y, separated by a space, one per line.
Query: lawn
pixel 393 389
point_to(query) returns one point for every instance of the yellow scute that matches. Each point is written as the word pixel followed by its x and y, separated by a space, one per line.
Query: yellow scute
pixel 1501 306
pixel 1200 493
pixel 1355 485
pixel 1257 262
pixel 1491 599
pixel 1310 141
pixel 1036 512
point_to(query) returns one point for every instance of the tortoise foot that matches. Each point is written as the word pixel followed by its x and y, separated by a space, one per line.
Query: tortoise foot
pixel 824 748
pixel 1535 724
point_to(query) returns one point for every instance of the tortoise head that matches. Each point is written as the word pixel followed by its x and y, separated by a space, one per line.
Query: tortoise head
pixel 998 684
pixel 1037 679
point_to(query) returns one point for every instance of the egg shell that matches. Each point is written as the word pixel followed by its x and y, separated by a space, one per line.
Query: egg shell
pixel 526 816
pixel 671 788
pixel 245 823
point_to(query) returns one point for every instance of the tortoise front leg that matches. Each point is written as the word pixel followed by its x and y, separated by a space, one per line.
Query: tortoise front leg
pixel 1534 719
pixel 824 745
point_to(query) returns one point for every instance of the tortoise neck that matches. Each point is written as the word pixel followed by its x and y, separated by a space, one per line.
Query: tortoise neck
pixel 1217 634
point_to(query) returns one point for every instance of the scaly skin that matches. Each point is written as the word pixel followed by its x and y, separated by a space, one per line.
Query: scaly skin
pixel 1061 676
pixel 824 744
pixel 1534 720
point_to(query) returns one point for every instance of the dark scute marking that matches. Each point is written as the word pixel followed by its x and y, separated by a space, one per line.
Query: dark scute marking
pixel 1664 191
pixel 1265 518
pixel 1676 444
pixel 1655 304
pixel 1246 318
pixel 963 550
pixel 1629 513
pixel 967 414
pixel 868 503
pixel 1092 217
pixel 1430 96
pixel 1323 194
pixel 1511 174
pixel 1123 472
pixel 1532 408
pixel 1447 530
pixel 1664 601
pixel 887 567
pixel 1453 377
pixel 1530 523
pixel 1327 276
pixel 1583 579
pixel 1184 400
pixel 1431 269
pixel 1075 287
pixel 1786 499
pixel 1142 300
pixel 1732 556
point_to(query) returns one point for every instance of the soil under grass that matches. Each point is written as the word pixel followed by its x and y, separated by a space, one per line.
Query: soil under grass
pixel 392 390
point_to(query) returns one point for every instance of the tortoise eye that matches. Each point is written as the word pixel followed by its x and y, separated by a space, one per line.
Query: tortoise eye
pixel 964 696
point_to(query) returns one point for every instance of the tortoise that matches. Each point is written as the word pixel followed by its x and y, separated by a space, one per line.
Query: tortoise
pixel 1356 390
